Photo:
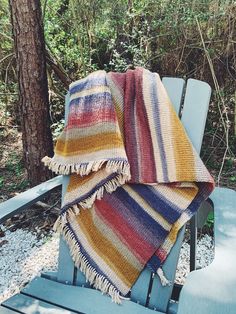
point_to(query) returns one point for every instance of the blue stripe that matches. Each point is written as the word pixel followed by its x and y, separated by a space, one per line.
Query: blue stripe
pixel 134 214
pixel 154 263
pixel 84 196
pixel 169 211
pixel 88 83
pixel 156 117
pixel 89 102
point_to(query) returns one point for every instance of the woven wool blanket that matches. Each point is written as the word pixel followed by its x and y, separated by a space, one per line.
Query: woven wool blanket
pixel 135 178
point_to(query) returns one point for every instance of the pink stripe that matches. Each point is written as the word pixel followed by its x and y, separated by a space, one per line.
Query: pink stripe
pixel 161 254
pixel 91 118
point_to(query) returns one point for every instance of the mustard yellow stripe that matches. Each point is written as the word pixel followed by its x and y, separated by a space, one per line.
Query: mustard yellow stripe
pixel 120 117
pixel 181 197
pixel 88 144
pixel 174 232
pixel 183 154
pixel 188 193
pixel 76 180
pixel 103 247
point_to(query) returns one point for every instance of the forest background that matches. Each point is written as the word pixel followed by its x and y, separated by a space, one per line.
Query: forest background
pixel 179 38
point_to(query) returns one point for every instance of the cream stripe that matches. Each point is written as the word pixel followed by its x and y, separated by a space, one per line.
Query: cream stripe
pixel 91 75
pixel 168 244
pixel 147 208
pixel 117 93
pixel 166 110
pixel 174 195
pixel 91 157
pixel 97 128
pixel 99 261
pixel 91 91
pixel 150 115
pixel 202 174
pixel 83 189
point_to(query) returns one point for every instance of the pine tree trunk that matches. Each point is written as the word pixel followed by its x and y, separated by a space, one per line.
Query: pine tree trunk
pixel 33 89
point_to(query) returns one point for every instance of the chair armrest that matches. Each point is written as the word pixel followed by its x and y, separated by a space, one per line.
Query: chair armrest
pixel 26 199
pixel 212 290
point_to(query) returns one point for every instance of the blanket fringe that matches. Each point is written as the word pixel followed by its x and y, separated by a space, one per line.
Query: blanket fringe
pixel 92 276
pixel 109 186
pixel 164 281
pixel 119 166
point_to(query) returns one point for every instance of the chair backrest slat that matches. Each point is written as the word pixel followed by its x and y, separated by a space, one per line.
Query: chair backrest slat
pixel 175 89
pixel 140 289
pixel 160 295
pixel 66 269
pixel 195 108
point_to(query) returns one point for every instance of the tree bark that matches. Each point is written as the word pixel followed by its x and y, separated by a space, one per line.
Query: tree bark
pixel 29 43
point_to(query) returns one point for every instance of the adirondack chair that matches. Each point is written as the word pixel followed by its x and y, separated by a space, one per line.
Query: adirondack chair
pixel 67 291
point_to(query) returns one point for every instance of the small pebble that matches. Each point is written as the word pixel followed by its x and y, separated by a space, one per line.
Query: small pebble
pixel 22 257
pixel 205 255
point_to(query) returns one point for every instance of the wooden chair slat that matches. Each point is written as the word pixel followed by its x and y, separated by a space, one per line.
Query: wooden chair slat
pixel 175 89
pixel 140 289
pixel 26 199
pixel 66 269
pixel 28 305
pixel 4 310
pixel 195 108
pixel 81 280
pixel 80 300
pixel 160 295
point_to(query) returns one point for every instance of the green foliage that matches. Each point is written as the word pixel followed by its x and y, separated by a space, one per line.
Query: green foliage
pixel 210 220
pixel 14 165
pixel 1 181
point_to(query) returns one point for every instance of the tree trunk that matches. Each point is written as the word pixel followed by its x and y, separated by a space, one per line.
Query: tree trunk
pixel 33 88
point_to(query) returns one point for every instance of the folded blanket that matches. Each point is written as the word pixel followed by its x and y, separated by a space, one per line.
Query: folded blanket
pixel 135 178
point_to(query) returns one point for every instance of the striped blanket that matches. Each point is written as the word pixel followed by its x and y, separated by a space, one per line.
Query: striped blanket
pixel 135 179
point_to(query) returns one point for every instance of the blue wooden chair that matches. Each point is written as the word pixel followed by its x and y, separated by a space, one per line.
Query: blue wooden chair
pixel 66 291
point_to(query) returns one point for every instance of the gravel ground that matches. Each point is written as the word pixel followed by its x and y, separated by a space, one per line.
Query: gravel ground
pixel 24 256
pixel 205 255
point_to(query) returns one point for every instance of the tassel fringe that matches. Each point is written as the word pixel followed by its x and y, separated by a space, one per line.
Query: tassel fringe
pixel 163 279
pixel 120 166
pixel 98 281
pixel 109 186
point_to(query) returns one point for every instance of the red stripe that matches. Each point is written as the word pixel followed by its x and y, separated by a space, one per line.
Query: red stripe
pixel 138 246
pixel 161 254
pixel 131 144
pixel 145 148
pixel 138 140
pixel 89 118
